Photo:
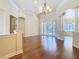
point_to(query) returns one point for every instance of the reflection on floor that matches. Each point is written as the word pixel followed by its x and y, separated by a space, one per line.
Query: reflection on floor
pixel 48 47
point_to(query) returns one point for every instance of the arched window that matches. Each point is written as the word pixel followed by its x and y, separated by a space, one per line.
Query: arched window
pixel 69 21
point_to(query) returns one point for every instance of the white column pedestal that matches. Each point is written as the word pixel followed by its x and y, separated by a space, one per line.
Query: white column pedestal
pixel 59 29
pixel 76 39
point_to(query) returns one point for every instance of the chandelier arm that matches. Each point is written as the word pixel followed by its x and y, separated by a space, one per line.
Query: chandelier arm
pixel 45 8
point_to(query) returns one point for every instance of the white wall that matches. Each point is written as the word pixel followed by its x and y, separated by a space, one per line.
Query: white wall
pixel 67 4
pixel 7 8
pixel 2 24
pixel 31 25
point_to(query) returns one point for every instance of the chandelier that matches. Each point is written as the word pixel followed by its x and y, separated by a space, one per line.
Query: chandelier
pixel 45 8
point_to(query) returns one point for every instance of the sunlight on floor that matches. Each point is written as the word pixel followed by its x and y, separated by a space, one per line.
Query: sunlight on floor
pixel 49 43
pixel 68 42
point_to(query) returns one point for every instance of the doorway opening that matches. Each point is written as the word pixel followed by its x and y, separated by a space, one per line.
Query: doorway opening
pixel 48 28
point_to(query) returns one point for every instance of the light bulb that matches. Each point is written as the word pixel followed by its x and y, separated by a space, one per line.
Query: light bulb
pixel 48 7
pixel 41 8
pixel 50 10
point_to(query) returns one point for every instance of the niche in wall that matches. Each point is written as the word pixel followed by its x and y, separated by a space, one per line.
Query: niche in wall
pixel 21 25
pixel 13 24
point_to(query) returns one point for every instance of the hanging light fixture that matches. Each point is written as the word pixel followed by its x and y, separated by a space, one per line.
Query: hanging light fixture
pixel 45 8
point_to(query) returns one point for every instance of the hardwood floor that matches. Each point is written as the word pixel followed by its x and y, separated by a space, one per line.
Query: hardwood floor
pixel 47 47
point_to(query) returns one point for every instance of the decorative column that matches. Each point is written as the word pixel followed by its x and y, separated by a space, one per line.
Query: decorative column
pixel 59 28
pixel 76 20
pixel 76 33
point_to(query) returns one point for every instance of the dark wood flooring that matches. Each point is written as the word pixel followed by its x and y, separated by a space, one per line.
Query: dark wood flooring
pixel 48 47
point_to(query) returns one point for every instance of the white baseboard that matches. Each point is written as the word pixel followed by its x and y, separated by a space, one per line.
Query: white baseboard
pixel 60 38
pixel 76 46
pixel 19 51
pixel 31 35
pixel 12 54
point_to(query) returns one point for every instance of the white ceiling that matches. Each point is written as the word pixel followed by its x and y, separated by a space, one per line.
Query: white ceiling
pixel 32 6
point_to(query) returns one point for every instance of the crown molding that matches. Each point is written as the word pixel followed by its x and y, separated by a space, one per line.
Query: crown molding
pixel 14 3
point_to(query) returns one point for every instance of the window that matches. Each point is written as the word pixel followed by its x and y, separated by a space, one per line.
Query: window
pixel 69 21
pixel 69 27
pixel 48 28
